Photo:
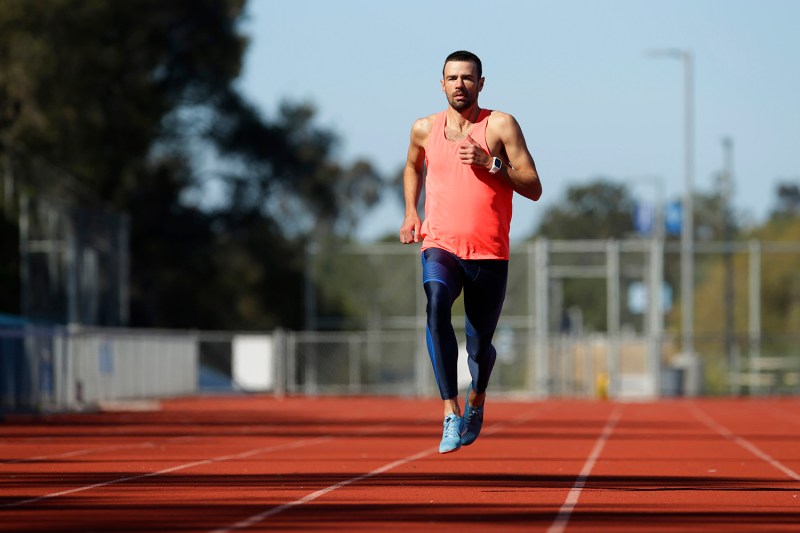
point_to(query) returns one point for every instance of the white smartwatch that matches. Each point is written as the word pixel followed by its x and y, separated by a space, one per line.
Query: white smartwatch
pixel 496 166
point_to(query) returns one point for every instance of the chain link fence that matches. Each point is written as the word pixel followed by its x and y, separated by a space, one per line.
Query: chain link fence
pixel 582 319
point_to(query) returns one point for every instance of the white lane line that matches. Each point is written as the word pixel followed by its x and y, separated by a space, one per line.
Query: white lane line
pixel 564 514
pixel 247 522
pixel 744 443
pixel 101 449
pixel 242 455
pixel 249 453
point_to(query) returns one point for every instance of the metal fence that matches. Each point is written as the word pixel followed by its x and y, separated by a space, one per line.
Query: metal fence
pixel 397 363
pixel 547 345
pixel 56 369
pixel 586 317
pixel 46 369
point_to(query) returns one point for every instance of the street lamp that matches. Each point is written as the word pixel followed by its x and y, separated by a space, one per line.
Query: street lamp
pixel 687 213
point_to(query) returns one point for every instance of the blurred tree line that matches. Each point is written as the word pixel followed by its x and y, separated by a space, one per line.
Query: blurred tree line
pixel 602 209
pixel 131 106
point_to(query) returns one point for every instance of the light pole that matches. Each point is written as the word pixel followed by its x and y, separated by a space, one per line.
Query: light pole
pixel 687 212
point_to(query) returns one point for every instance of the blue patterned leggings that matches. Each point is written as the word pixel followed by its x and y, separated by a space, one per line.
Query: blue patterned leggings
pixel 483 281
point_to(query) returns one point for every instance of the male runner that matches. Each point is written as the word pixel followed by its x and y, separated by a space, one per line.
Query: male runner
pixel 475 159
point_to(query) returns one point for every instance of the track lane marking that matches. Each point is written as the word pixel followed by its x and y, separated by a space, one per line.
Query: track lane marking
pixel 266 449
pixel 247 522
pixel 565 512
pixel 99 449
pixel 706 419
pixel 242 455
pixel 260 517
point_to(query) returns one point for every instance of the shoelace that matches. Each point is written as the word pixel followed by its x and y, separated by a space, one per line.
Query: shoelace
pixel 472 414
pixel 451 427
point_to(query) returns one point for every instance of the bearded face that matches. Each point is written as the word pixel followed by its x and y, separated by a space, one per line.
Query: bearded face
pixel 461 84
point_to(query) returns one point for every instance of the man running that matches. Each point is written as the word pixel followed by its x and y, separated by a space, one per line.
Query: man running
pixel 474 159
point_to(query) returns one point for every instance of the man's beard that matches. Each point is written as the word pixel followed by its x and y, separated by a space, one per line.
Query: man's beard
pixel 458 105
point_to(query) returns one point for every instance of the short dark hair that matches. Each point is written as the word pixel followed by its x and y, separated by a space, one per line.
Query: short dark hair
pixel 463 55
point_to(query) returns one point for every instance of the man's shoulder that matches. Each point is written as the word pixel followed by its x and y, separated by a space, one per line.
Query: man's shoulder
pixel 501 118
pixel 422 127
pixel 425 123
pixel 502 125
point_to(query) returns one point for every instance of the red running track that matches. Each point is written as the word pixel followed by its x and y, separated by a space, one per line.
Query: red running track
pixel 366 464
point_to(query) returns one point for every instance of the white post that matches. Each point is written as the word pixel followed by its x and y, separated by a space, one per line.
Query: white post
pixel 687 210
pixel 755 309
pixel 531 257
pixel 655 311
pixel 613 315
pixel 542 325
pixel 687 222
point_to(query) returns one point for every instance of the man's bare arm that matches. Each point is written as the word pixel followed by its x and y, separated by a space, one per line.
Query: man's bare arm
pixel 505 138
pixel 412 180
pixel 521 174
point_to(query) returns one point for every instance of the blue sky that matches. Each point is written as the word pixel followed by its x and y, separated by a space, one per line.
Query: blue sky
pixel 574 73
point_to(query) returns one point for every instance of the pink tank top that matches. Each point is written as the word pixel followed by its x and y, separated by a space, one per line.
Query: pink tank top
pixel 467 209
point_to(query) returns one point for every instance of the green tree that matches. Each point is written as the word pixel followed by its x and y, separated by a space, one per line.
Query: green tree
pixel 126 105
pixel 787 203
pixel 600 209
pixel 780 285
pixel 100 84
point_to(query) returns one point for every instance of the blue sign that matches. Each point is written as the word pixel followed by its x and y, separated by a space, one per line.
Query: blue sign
pixel 637 297
pixel 644 218
pixel 673 214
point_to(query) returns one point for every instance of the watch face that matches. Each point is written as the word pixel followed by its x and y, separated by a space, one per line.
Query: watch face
pixel 496 164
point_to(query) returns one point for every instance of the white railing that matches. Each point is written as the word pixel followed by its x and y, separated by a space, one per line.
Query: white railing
pixel 59 369
pixel 62 369
pixel 110 365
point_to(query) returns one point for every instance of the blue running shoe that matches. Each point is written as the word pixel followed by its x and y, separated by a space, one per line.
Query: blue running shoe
pixel 451 435
pixel 472 421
